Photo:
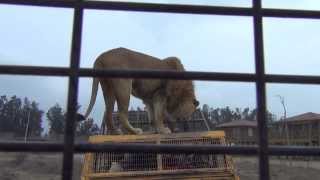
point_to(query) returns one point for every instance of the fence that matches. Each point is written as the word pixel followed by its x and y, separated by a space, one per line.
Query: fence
pixel 74 72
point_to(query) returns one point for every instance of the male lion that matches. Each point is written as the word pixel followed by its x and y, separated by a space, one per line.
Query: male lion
pixel 161 96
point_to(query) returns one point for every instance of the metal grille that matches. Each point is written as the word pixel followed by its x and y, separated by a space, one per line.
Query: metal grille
pixel 115 162
pixel 139 119
pixel 194 161
pixel 74 72
pixel 152 163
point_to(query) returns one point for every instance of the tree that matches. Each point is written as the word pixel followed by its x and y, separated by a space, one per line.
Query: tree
pixel 29 119
pixel 35 116
pixel 9 111
pixel 205 110
pixel 56 118
pixel 223 115
pixel 14 116
pixel 226 114
pixel 253 116
pixel 246 114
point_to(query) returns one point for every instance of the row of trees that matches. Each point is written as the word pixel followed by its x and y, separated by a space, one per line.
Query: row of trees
pixel 15 114
pixel 22 116
pixel 226 114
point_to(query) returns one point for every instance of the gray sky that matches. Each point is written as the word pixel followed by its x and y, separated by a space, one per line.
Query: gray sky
pixel 42 37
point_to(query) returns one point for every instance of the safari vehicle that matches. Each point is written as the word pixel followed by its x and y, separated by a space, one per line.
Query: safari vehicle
pixel 103 166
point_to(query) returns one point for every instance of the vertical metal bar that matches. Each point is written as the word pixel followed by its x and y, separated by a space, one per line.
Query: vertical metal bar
pixel 261 91
pixel 72 93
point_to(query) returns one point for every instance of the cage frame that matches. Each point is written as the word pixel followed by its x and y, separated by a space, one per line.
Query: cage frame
pixel 74 72
pixel 224 170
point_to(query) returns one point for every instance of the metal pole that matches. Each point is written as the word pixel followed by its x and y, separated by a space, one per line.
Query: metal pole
pixel 69 133
pixel 261 91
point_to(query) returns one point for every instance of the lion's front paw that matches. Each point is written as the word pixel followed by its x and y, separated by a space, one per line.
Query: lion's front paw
pixel 137 131
pixel 164 130
pixel 117 131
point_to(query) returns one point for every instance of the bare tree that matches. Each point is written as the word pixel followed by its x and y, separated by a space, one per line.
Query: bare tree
pixel 284 119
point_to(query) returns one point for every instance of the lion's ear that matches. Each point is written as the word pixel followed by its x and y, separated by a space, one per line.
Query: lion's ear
pixel 175 63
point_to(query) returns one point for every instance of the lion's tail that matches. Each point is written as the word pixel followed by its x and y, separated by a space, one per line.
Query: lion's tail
pixel 94 92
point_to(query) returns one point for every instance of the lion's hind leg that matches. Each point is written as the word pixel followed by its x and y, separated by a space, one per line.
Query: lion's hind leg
pixel 122 90
pixel 109 99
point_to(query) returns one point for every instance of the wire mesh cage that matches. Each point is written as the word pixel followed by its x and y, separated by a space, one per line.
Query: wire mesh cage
pixel 139 119
pixel 107 165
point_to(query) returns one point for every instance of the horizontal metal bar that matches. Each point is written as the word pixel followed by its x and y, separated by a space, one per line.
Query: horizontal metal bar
pixel 172 8
pixel 120 73
pixel 45 3
pixel 214 76
pixel 34 70
pixel 294 151
pixel 135 6
pixel 157 148
pixel 299 79
pixel 157 74
pixel 31 147
pixel 166 148
pixel 125 148
pixel 168 8
pixel 281 13
pixel 87 72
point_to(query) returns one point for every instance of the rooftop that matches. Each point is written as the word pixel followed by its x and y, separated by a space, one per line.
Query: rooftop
pixel 304 117
pixel 239 123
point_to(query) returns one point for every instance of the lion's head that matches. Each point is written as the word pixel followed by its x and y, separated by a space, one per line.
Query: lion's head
pixel 181 100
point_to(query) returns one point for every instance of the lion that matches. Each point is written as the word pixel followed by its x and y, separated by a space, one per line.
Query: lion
pixel 161 96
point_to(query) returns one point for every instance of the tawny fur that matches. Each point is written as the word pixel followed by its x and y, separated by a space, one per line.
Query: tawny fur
pixel 161 96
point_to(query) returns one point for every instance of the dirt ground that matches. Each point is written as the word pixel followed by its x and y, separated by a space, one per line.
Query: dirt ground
pixel 31 166
pixel 284 169
pixel 44 166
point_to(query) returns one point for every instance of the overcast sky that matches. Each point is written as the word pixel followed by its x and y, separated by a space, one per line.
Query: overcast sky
pixel 42 37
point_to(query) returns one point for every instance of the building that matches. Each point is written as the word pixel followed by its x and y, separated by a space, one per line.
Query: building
pixel 240 131
pixel 302 129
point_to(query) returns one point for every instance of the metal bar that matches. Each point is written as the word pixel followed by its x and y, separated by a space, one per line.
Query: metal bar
pixel 201 149
pixel 281 13
pixel 260 92
pixel 159 74
pixel 272 78
pixel 134 6
pixel 67 169
pixel 157 148
pixel 171 8
pixel 166 148
pixel 34 70
pixel 195 75
pixel 260 78
pixel 294 151
pixel 156 74
pixel 167 8
pixel 30 147
pixel 45 3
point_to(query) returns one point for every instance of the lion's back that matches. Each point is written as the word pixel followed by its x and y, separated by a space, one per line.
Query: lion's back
pixel 124 58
